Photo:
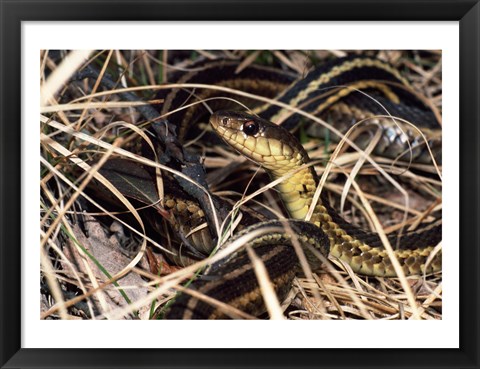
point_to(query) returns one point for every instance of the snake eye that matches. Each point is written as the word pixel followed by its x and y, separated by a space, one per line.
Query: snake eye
pixel 250 128
pixel 225 121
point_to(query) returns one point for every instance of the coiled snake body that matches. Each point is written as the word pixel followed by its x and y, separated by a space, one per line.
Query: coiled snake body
pixel 284 158
pixel 280 153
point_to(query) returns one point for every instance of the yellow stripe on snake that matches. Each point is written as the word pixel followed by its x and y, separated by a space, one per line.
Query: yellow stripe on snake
pixel 233 280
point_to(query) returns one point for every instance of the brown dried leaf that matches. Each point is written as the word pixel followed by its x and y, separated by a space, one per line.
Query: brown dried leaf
pixel 108 253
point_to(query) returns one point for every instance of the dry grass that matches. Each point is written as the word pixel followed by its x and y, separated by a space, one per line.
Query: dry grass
pixel 84 125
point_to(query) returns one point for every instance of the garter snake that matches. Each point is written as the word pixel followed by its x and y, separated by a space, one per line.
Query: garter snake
pixel 330 91
pixel 279 153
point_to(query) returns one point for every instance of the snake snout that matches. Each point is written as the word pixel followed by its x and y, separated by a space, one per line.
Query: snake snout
pixel 233 120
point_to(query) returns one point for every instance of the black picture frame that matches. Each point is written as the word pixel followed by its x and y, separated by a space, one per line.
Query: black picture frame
pixel 12 355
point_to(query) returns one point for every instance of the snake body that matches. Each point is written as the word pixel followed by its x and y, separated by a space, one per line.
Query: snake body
pixel 280 153
pixel 330 91
pixel 234 281
pixel 283 157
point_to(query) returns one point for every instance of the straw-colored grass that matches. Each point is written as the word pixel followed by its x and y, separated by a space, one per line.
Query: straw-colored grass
pixel 83 126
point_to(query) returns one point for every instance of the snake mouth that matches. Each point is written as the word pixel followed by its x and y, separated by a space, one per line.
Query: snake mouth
pixel 221 124
pixel 214 120
pixel 230 126
pixel 225 126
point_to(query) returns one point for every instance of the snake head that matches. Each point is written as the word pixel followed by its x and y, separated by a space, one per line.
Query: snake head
pixel 259 140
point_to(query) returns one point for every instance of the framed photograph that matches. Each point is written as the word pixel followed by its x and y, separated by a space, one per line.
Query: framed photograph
pixel 239 184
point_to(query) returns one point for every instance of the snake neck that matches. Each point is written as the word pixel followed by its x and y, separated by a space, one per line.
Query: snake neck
pixel 297 194
pixel 363 251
